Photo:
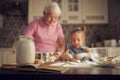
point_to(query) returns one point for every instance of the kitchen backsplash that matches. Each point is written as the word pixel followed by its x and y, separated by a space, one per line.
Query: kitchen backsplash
pixel 12 28
pixel 95 32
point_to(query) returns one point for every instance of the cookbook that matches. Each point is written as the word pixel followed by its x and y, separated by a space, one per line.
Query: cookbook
pixel 43 68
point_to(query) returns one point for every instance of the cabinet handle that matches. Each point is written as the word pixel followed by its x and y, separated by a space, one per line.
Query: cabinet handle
pixel 14 51
pixel 64 21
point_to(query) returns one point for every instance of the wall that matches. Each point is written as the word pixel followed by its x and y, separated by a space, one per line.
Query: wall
pixel 13 26
pixel 14 21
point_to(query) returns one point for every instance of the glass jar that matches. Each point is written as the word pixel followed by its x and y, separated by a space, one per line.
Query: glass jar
pixel 25 50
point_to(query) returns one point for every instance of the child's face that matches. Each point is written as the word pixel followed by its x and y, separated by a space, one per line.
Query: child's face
pixel 76 40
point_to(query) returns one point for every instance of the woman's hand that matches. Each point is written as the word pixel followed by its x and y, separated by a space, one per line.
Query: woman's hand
pixel 52 58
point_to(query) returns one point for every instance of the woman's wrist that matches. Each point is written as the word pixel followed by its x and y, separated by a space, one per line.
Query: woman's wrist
pixel 56 55
pixel 52 58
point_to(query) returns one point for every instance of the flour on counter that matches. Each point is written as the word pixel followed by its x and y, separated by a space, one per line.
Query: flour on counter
pixel 74 64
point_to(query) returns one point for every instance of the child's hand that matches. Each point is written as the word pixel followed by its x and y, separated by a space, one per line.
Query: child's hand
pixel 78 57
pixel 69 57
pixel 66 56
pixel 81 55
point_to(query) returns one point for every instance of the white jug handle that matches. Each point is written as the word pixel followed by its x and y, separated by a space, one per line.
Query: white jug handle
pixel 14 46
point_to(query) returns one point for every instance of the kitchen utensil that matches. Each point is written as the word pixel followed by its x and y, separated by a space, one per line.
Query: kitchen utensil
pixel 97 53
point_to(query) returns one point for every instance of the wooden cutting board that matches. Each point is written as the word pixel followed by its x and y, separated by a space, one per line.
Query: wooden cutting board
pixel 9 66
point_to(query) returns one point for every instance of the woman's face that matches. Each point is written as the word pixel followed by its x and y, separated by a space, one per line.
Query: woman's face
pixel 76 40
pixel 50 18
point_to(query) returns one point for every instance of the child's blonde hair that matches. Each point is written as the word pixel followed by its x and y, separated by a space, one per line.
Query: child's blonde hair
pixel 80 30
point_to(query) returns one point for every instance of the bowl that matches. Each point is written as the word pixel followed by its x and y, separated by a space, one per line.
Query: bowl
pixel 97 53
pixel 101 57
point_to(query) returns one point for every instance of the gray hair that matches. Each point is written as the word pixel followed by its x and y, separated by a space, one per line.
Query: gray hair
pixel 52 7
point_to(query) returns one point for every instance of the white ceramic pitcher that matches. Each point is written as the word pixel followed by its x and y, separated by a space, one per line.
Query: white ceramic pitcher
pixel 25 50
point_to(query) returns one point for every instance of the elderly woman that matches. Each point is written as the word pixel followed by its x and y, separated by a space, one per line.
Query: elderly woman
pixel 47 32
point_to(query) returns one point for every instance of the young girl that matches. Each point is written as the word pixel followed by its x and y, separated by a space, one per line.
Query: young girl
pixel 77 50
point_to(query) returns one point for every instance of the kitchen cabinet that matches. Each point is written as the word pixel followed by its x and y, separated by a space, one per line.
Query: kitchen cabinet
pixel 7 56
pixel 1 52
pixel 71 11
pixel 1 21
pixel 69 15
pixel 74 11
pixel 95 11
pixel 35 9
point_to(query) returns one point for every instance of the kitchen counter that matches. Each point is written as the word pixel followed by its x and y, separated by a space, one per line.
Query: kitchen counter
pixel 90 73
pixel 73 71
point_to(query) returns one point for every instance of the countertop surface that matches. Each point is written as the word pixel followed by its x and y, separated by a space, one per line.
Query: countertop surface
pixel 87 73
pixel 74 71
pixel 74 68
pixel 90 73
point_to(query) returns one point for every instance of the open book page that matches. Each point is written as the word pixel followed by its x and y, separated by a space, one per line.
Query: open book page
pixel 52 69
pixel 28 67
pixel 43 68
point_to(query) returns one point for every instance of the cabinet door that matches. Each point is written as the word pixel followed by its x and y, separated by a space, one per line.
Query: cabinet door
pixel 36 8
pixel 1 57
pixel 95 11
pixel 73 11
pixel 9 56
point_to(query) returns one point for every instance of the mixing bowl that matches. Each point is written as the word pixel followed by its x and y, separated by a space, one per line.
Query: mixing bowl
pixel 101 57
pixel 98 53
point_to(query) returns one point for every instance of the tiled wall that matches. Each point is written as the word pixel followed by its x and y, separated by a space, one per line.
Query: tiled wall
pixel 13 26
pixel 92 33
pixel 95 32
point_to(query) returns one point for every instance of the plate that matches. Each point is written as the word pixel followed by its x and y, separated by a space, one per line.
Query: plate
pixel 108 65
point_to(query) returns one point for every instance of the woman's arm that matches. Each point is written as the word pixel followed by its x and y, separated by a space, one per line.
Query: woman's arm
pixel 60 51
pixel 61 40
pixel 62 46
